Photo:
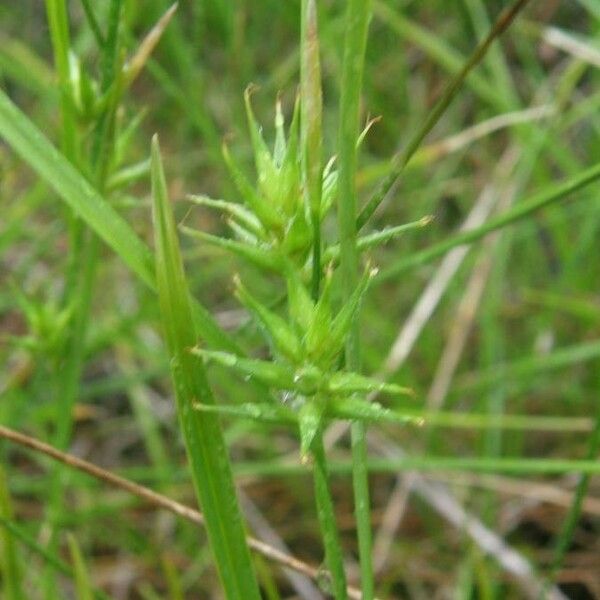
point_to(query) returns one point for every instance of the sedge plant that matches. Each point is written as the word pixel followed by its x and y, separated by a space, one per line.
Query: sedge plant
pixel 312 373
pixel 313 370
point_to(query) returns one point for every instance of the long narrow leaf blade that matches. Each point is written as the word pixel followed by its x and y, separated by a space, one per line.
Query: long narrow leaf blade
pixel 52 166
pixel 205 445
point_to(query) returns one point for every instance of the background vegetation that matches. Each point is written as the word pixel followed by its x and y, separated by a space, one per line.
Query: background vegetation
pixel 475 504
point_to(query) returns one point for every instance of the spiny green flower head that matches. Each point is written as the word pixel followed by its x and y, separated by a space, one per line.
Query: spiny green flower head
pixel 273 217
pixel 275 230
pixel 306 349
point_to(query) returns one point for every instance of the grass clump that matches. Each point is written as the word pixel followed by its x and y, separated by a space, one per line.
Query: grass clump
pixel 488 384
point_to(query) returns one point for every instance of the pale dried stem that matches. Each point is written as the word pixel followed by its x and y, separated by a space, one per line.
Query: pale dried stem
pixel 439 497
pixel 161 501
pixel 571 45
pixel 549 494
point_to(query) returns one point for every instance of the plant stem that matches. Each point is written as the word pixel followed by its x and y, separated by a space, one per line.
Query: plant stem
pixel 311 107
pixel 357 21
pixel 327 521
pixel 84 249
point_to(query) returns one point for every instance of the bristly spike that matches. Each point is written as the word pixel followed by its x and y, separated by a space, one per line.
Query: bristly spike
pixel 265 167
pixel 300 303
pixel 281 336
pixel 378 238
pixel 266 212
pixel 262 257
pixel 275 375
pixel 243 215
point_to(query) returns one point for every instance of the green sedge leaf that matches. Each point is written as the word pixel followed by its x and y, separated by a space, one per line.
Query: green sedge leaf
pixel 343 382
pixel 244 216
pixel 266 212
pixel 262 257
pixel 310 421
pixel 281 336
pixel 276 414
pixel 300 304
pixel 272 374
pixel 202 433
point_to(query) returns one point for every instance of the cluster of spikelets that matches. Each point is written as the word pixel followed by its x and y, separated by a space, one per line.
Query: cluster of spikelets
pixel 273 230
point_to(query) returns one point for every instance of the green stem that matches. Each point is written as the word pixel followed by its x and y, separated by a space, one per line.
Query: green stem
pixel 85 247
pixel 357 21
pixel 58 23
pixel 316 261
pixel 10 565
pixel 311 111
pixel 327 522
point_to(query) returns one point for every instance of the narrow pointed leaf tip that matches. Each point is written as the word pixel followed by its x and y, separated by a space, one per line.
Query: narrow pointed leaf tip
pixel 310 423
pixel 205 445
pixel 133 67
pixel 281 336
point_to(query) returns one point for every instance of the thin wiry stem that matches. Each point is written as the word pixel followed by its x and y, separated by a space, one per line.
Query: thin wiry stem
pixel 158 500
pixel 357 21
pixel 501 24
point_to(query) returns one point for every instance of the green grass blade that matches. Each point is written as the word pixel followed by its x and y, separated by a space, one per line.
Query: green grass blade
pixel 33 546
pixel 311 107
pixel 205 445
pixel 9 560
pixel 327 520
pixel 530 366
pixel 92 22
pixel 540 466
pixel 357 22
pixel 565 536
pixel 36 150
pixel 83 585
pixel 436 48
pixel 522 210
